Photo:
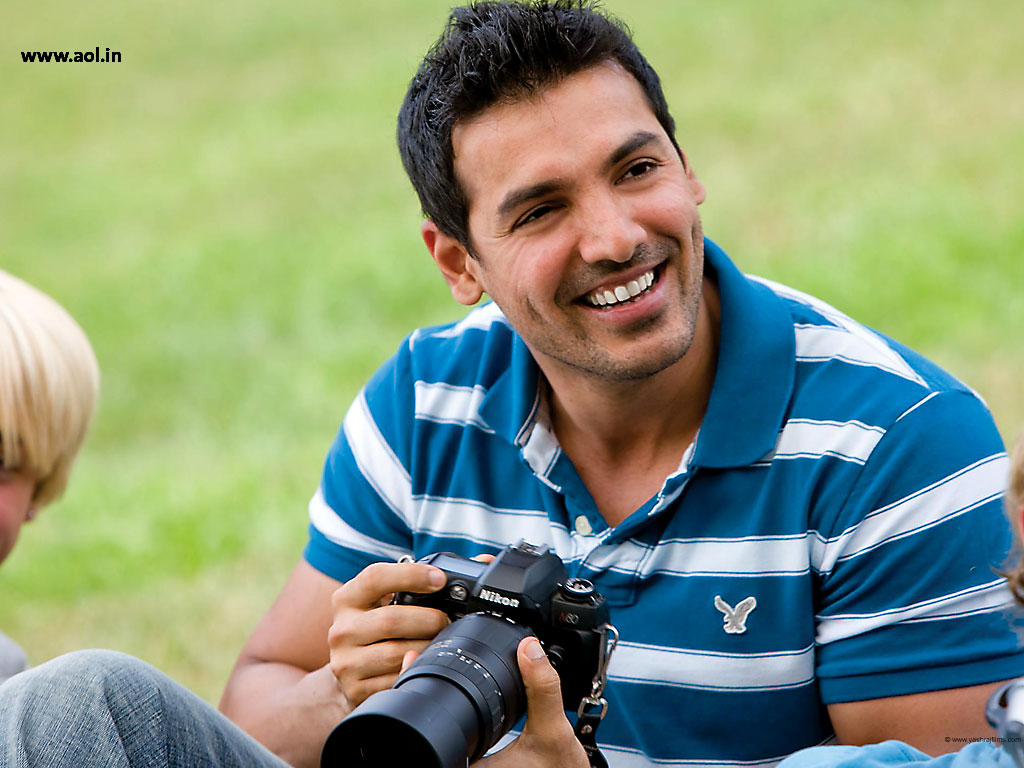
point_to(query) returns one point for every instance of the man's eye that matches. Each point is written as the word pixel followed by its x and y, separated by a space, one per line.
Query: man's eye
pixel 536 213
pixel 641 168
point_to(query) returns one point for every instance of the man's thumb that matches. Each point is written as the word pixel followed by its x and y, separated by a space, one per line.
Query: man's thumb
pixel 543 690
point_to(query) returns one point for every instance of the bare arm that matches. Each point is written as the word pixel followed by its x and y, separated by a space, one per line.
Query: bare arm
pixel 282 690
pixel 321 649
pixel 929 721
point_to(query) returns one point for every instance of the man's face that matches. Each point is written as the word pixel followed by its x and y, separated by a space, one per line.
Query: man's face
pixel 584 221
pixel 16 490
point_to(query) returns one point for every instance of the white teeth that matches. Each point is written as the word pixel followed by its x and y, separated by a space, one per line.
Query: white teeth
pixel 622 293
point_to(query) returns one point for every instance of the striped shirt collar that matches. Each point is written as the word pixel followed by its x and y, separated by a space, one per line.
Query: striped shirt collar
pixel 750 394
pixel 756 369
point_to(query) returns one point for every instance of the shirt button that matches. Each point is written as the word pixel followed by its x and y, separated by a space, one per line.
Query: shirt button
pixel 583 527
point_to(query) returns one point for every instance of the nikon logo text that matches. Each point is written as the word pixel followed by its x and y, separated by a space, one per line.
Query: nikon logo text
pixel 494 597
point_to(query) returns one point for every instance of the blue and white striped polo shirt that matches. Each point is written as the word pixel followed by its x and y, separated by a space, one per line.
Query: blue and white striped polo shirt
pixel 844 486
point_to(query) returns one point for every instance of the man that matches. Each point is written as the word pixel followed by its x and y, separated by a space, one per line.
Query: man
pixel 690 439
pixel 685 437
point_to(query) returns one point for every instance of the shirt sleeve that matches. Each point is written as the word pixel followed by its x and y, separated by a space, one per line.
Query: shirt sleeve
pixel 911 597
pixel 981 754
pixel 12 658
pixel 362 510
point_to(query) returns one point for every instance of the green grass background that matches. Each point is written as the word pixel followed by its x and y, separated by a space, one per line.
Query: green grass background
pixel 226 215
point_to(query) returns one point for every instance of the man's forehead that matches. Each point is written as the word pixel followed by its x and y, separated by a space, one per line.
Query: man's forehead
pixel 589 113
pixel 520 106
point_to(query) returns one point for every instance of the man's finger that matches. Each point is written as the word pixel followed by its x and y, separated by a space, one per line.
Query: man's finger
pixel 360 691
pixel 408 658
pixel 371 584
pixel 545 718
pixel 390 622
pixel 379 659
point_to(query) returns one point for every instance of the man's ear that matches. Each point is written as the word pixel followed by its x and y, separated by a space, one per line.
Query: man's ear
pixel 460 270
pixel 696 186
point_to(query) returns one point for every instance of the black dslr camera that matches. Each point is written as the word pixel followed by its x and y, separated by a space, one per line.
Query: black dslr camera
pixel 464 692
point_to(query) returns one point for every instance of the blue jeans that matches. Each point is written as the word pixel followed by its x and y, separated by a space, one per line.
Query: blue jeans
pixel 100 708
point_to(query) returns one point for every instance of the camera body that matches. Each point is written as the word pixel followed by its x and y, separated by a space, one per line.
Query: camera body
pixel 464 691
pixel 528 586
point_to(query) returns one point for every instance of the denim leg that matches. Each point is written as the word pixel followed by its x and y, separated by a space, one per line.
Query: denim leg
pixel 109 710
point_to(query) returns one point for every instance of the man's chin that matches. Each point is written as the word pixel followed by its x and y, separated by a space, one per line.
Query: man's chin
pixel 639 371
pixel 625 368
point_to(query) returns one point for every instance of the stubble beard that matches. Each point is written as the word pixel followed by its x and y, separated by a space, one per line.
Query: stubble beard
pixel 591 358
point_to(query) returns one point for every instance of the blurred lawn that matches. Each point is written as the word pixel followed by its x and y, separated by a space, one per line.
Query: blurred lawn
pixel 226 215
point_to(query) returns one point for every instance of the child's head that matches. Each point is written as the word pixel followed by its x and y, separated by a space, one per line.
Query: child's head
pixel 1015 494
pixel 49 383
pixel 1015 509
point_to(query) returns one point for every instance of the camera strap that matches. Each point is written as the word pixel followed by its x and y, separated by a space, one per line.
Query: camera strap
pixel 594 707
pixel 586 731
pixel 1005 713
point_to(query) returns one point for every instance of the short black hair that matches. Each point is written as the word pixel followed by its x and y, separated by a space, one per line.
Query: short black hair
pixel 498 52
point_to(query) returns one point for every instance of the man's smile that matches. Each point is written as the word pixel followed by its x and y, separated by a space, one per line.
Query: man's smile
pixel 609 296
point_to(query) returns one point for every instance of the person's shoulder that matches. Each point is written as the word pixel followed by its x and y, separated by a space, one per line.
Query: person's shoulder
pixel 851 364
pixel 473 351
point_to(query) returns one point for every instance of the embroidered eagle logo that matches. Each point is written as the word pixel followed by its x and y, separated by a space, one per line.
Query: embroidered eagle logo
pixel 735 618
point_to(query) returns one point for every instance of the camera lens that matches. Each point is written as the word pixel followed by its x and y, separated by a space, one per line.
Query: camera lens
pixel 452 704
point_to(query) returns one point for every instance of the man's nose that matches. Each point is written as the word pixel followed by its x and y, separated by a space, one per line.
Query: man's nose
pixel 607 230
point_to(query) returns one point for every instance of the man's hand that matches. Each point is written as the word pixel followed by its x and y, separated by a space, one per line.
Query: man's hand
pixel 547 740
pixel 369 638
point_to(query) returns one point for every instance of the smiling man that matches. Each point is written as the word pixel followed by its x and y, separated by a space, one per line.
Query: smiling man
pixel 793 518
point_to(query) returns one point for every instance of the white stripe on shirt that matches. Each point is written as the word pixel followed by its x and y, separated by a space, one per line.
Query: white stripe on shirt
pixel 742 556
pixel 964 490
pixel 809 438
pixel 819 343
pixel 326 520
pixel 992 596
pixel 708 670
pixel 848 341
pixel 481 319
pixel 376 461
pixel 475 521
pixel 450 404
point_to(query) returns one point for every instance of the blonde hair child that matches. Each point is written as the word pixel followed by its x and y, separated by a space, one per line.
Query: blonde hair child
pixel 49 383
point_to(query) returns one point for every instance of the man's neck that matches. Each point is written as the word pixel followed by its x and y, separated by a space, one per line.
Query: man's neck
pixel 625 438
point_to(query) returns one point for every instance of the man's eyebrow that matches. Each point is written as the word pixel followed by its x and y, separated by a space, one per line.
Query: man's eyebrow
pixel 637 141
